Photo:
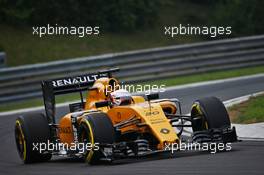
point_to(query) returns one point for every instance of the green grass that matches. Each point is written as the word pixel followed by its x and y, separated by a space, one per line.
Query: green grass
pixel 210 76
pixel 166 82
pixel 24 48
pixel 251 111
pixel 38 102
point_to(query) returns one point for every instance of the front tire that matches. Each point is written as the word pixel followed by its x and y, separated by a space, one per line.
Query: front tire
pixel 96 129
pixel 208 113
pixel 31 130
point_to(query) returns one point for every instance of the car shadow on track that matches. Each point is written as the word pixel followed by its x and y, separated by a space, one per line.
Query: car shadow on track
pixel 153 157
pixel 162 156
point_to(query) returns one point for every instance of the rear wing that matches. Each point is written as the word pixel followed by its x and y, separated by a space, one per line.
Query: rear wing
pixel 65 85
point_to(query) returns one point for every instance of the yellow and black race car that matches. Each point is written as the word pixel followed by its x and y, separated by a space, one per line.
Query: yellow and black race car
pixel 113 124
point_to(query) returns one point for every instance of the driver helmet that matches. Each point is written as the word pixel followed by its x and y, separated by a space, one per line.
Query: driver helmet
pixel 120 97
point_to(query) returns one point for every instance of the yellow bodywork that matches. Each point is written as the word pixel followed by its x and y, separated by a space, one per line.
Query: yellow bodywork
pixel 150 114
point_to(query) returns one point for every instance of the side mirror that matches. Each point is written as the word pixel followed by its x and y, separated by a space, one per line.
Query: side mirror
pixel 102 104
pixel 152 96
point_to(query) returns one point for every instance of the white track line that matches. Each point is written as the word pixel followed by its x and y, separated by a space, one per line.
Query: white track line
pixel 242 99
pixel 32 109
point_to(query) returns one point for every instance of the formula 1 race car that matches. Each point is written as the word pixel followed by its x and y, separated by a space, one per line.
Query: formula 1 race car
pixel 112 124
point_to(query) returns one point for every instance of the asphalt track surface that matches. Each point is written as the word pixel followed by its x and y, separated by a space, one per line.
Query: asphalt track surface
pixel 246 157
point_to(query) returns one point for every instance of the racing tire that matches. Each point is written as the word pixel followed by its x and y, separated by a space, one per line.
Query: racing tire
pixel 96 129
pixel 32 130
pixel 209 113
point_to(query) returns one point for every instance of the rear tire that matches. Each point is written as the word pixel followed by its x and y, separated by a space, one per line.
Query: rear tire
pixel 96 128
pixel 32 129
pixel 208 113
